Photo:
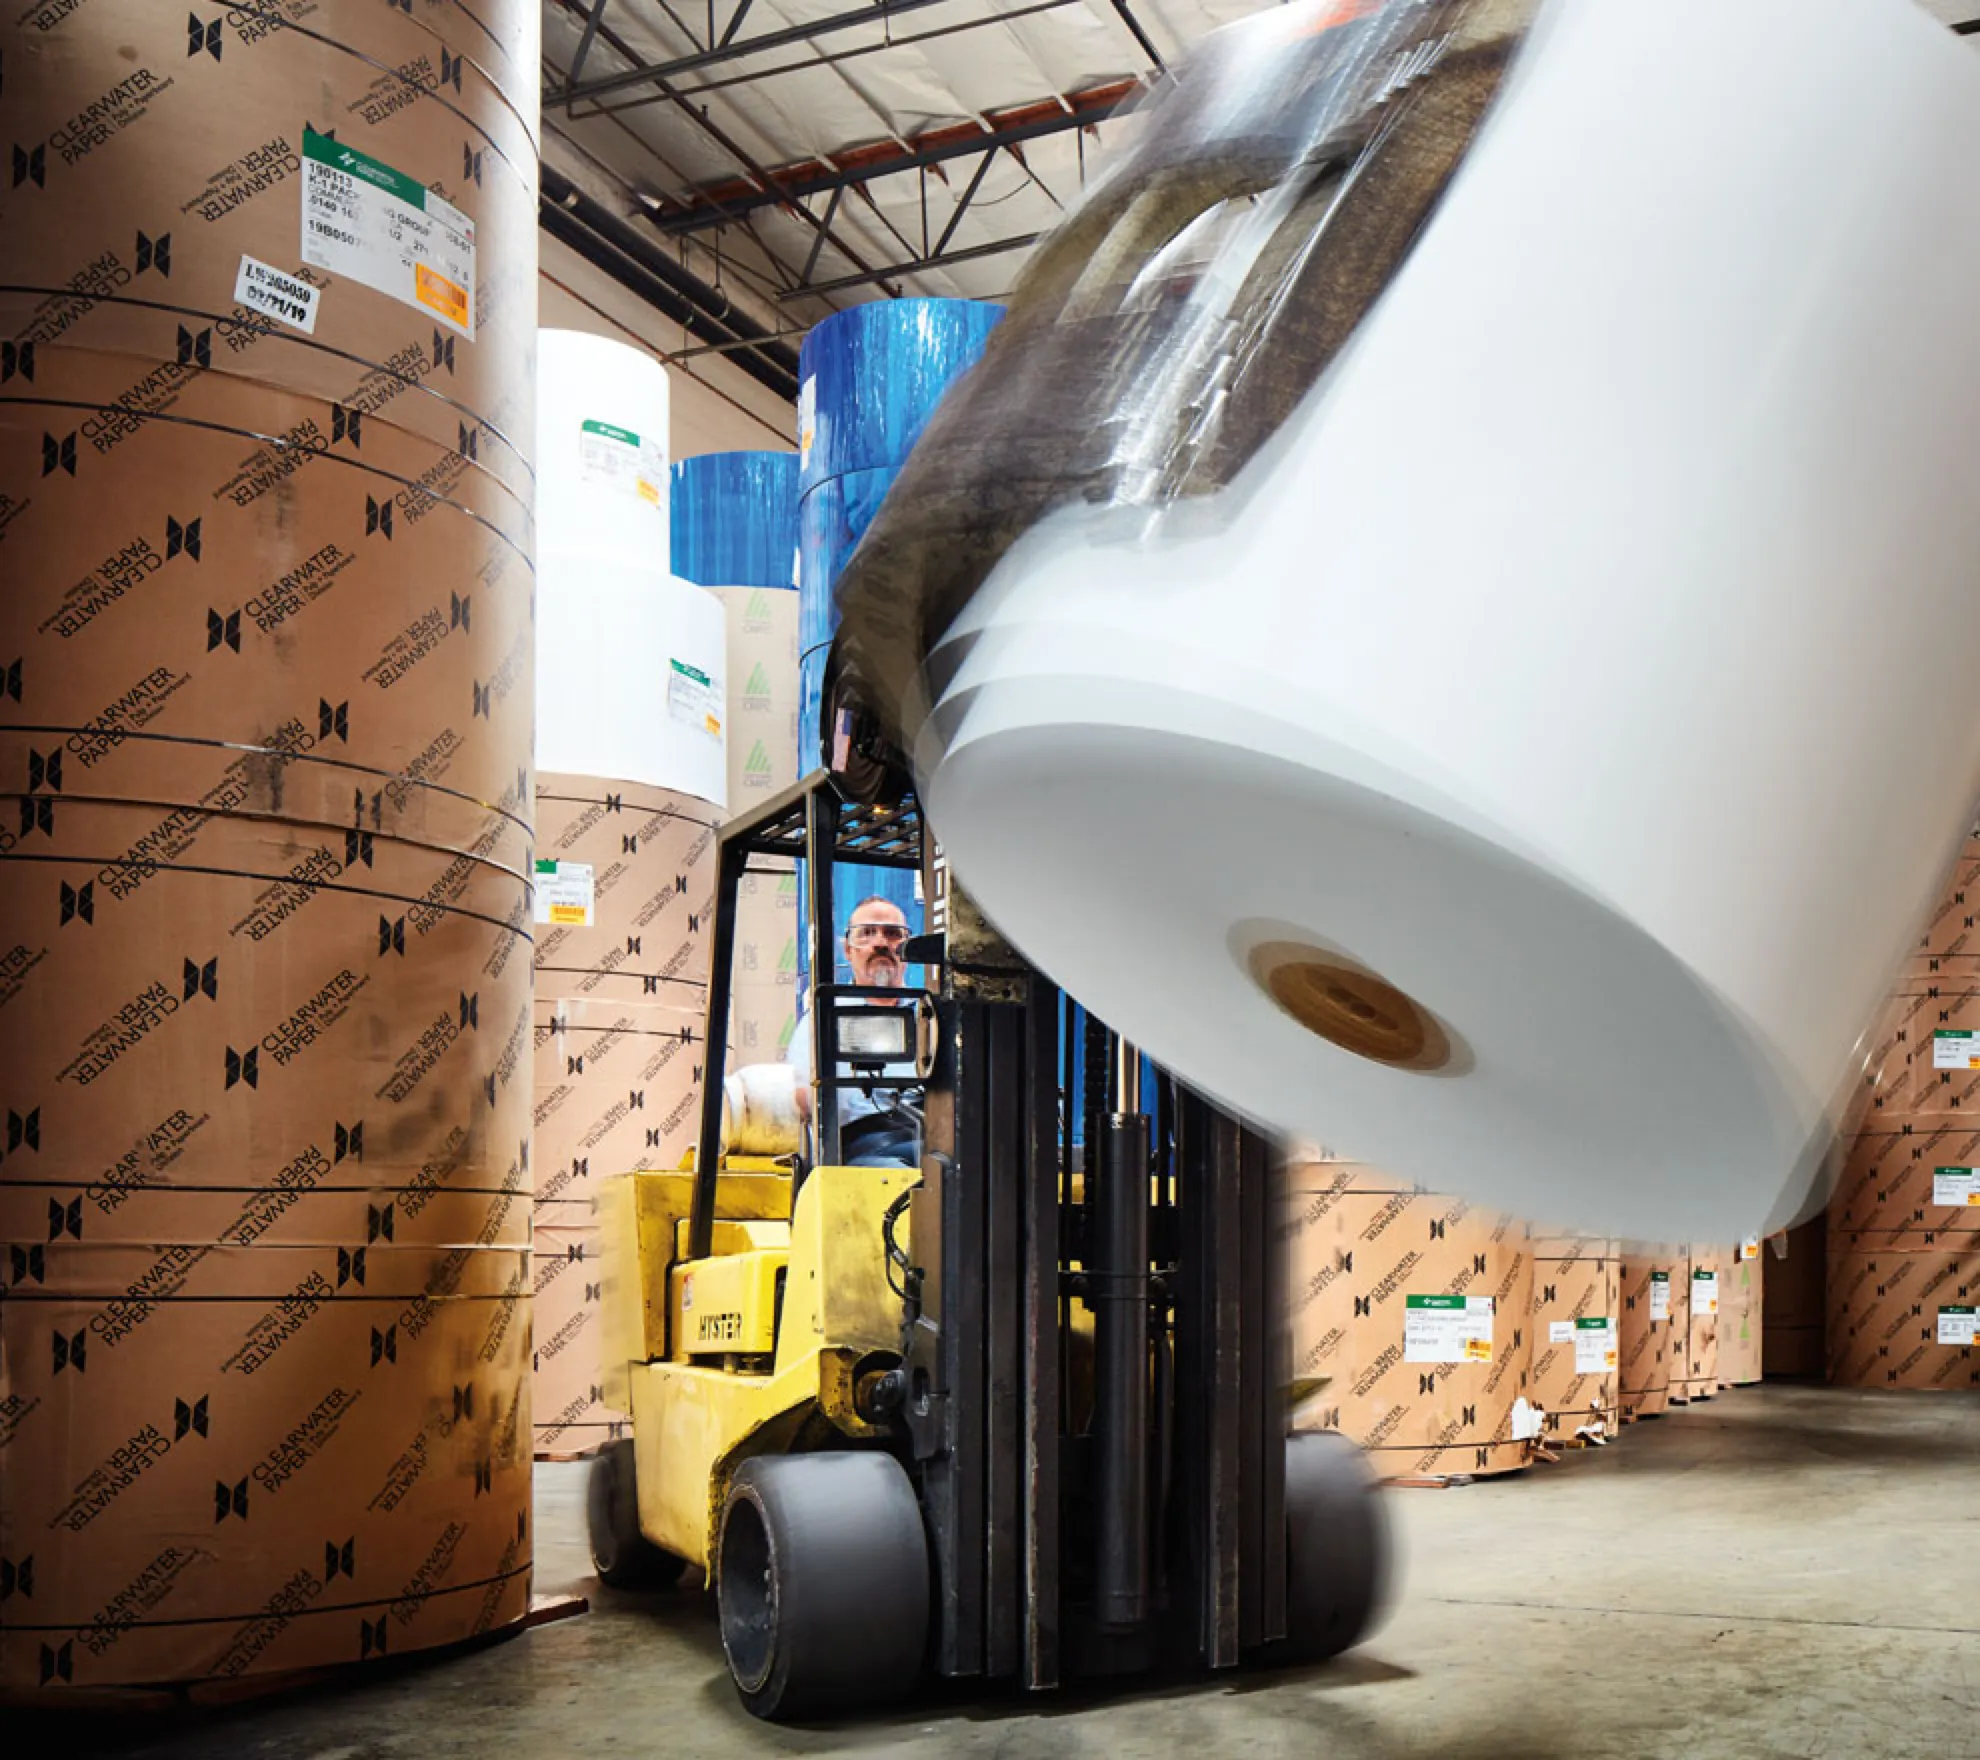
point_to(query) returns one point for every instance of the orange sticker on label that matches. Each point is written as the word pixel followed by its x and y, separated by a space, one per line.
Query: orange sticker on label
pixel 447 298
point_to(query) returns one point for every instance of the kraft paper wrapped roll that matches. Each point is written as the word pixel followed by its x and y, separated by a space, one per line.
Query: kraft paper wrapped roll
pixel 1498 777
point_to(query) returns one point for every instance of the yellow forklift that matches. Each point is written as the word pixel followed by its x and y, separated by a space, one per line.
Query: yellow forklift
pixel 1017 1414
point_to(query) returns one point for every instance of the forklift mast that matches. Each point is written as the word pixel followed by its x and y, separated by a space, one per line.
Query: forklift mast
pixel 1151 1527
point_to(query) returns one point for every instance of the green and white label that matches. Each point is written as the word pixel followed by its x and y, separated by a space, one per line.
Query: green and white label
pixel 565 894
pixel 694 698
pixel 1955 1186
pixel 1704 1292
pixel 1594 1344
pixel 620 459
pixel 1956 1050
pixel 1956 1326
pixel 1447 1329
pixel 364 220
pixel 1660 1296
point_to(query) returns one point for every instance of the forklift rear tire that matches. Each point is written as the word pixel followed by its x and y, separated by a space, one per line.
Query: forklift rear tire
pixel 622 1556
pixel 1337 1548
pixel 823 1583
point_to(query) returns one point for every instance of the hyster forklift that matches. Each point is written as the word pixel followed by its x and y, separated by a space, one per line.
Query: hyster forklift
pixel 1018 1414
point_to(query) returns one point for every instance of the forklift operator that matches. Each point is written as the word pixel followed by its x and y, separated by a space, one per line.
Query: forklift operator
pixel 871 1132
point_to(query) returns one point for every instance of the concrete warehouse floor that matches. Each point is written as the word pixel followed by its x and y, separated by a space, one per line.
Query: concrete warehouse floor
pixel 1786 1573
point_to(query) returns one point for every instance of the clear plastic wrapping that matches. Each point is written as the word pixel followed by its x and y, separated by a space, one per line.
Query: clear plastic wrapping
pixel 1171 323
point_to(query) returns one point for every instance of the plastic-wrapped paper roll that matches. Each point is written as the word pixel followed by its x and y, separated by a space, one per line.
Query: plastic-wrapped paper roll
pixel 869 375
pixel 601 450
pixel 732 519
pixel 1498 776
pixel 631 673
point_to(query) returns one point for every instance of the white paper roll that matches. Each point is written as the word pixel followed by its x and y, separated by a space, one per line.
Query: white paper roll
pixel 631 676
pixel 601 450
pixel 1591 661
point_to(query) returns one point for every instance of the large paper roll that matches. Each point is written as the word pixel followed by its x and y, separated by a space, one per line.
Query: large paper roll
pixel 601 450
pixel 631 674
pixel 1501 779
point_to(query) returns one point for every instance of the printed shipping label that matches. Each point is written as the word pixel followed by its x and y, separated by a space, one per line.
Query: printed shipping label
pixel 1560 1332
pixel 1956 1325
pixel 1660 1296
pixel 620 459
pixel 1704 1292
pixel 1956 1050
pixel 694 697
pixel 1749 1248
pixel 565 894
pixel 1447 1329
pixel 807 432
pixel 1594 1345
pixel 285 298
pixel 1955 1186
pixel 362 219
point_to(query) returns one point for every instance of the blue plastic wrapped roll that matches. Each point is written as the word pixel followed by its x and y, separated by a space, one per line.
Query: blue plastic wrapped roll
pixel 734 517
pixel 831 518
pixel 869 376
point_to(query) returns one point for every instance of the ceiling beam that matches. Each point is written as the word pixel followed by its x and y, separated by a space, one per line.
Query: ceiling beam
pixel 940 260
pixel 876 13
pixel 787 185
pixel 638 264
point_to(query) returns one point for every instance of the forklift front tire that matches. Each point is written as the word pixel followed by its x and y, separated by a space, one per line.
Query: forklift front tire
pixel 1337 1548
pixel 823 1583
pixel 622 1556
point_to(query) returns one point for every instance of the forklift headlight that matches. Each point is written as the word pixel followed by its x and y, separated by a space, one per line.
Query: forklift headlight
pixel 875 1035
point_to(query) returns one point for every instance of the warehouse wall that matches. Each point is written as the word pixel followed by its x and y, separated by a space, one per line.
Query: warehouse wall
pixel 716 406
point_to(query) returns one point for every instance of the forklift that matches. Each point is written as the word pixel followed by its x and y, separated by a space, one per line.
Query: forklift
pixel 1018 1415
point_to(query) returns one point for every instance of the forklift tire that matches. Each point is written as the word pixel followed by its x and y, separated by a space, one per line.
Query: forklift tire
pixel 1337 1548
pixel 621 1555
pixel 822 1583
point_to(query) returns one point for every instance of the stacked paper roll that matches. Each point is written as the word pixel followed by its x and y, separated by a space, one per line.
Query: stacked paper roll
pixel 1414 1309
pixel 1650 1287
pixel 1576 1336
pixel 1359 666
pixel 1794 1294
pixel 870 377
pixel 1695 1373
pixel 1742 1295
pixel 735 532
pixel 268 698
pixel 1904 1224
pixel 632 755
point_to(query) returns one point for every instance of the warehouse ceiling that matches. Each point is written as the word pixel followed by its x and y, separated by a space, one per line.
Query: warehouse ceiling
pixel 751 165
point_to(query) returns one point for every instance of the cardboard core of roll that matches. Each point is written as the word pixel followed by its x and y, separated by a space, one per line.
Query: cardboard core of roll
pixel 1350 1006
